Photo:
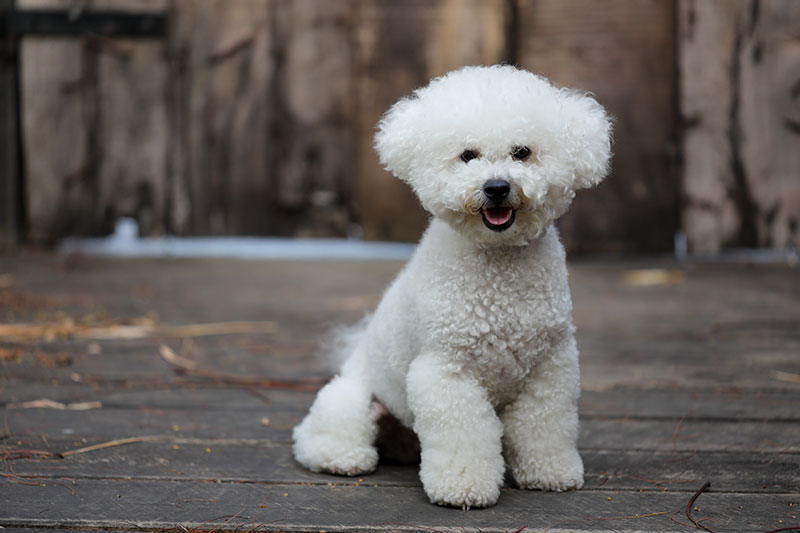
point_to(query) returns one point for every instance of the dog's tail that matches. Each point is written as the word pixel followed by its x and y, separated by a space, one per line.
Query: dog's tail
pixel 341 342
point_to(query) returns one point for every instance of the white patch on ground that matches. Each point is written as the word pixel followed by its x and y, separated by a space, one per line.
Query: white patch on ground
pixel 125 242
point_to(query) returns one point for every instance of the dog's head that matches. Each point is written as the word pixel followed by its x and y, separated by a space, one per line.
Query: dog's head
pixel 496 152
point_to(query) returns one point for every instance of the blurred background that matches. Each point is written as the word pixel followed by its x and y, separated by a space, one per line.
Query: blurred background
pixel 255 117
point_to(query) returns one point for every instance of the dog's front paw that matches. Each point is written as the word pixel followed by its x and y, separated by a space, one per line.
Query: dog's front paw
pixel 340 454
pixel 559 471
pixel 336 460
pixel 460 481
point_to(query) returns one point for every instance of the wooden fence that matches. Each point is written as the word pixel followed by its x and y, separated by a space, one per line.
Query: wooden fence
pixel 256 116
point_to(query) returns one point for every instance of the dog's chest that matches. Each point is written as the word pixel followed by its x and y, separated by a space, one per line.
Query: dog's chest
pixel 497 321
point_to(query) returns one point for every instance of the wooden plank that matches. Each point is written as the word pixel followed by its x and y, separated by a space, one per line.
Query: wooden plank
pixel 647 449
pixel 132 365
pixel 727 404
pixel 738 92
pixel 730 404
pixel 221 92
pixel 133 139
pixel 665 336
pixel 96 140
pixel 257 460
pixel 196 291
pixel 94 132
pixel 57 81
pixel 183 395
pixel 577 44
pixel 10 171
pixel 625 340
pixel 315 124
pixel 134 288
pixel 214 460
pixel 770 122
pixel 598 433
pixel 753 366
pixel 608 363
pixel 159 505
pixel 264 113
pixel 689 435
pixel 401 46
pixel 209 422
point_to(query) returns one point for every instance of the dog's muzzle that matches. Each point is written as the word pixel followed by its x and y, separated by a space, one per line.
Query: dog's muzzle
pixel 497 216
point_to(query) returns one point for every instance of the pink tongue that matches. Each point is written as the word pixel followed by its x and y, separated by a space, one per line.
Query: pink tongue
pixel 497 216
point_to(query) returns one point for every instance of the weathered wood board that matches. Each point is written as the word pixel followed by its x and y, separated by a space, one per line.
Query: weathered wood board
pixel 61 197
pixel 623 53
pixel 314 130
pixel 215 422
pixel 740 109
pixel 94 129
pixel 217 459
pixel 402 46
pixel 678 390
pixel 257 116
pixel 220 93
pixel 302 507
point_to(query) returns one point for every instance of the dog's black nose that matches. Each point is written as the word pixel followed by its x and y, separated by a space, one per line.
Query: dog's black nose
pixel 496 189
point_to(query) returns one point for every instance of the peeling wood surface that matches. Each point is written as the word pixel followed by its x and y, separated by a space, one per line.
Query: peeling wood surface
pixel 677 390
pixel 94 128
pixel 740 107
pixel 221 88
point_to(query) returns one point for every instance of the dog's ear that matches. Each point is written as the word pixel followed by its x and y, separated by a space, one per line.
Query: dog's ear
pixel 396 140
pixel 589 136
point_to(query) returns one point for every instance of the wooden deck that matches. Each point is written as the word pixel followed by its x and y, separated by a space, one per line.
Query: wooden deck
pixel 151 426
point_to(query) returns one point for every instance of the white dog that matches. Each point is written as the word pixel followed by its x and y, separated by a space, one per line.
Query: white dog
pixel 473 344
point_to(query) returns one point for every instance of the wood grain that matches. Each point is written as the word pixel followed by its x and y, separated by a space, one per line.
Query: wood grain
pixel 221 88
pixel 738 92
pixel 677 391
pixel 623 53
pixel 402 46
pixel 256 117
pixel 297 507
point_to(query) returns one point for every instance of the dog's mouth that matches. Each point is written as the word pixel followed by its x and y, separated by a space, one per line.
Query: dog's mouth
pixel 498 218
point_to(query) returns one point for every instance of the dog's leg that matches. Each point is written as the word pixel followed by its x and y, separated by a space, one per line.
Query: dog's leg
pixel 338 433
pixel 460 435
pixel 541 426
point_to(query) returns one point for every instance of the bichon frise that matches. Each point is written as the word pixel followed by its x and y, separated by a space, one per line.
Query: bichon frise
pixel 473 344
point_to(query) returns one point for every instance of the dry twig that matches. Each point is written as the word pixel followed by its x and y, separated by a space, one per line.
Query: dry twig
pixel 787 377
pixel 110 444
pixel 14 454
pixel 689 505
pixel 44 403
pixel 19 479
pixel 186 366
pixel 176 360
pixel 647 277
pixel 126 329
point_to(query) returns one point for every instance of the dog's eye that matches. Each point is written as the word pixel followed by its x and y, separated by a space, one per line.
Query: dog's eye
pixel 520 153
pixel 468 155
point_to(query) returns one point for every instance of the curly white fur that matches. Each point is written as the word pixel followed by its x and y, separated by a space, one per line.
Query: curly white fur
pixel 473 344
